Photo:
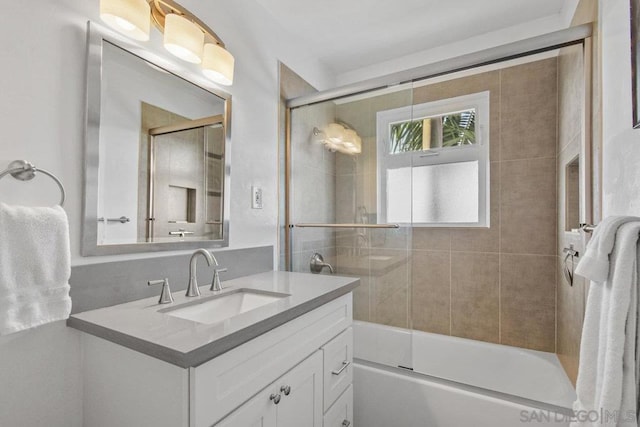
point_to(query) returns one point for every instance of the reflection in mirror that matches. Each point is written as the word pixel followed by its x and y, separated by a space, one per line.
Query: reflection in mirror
pixel 180 184
pixel 572 201
pixel 162 168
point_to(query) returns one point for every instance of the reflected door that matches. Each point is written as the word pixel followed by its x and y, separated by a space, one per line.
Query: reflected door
pixel 186 181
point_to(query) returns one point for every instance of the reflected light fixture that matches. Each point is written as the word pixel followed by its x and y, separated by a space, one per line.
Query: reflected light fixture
pixel 185 36
pixel 338 137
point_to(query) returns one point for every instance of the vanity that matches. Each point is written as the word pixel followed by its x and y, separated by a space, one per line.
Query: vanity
pixel 272 349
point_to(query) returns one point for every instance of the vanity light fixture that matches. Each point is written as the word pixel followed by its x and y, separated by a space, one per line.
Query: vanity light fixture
pixel 129 17
pixel 339 137
pixel 185 36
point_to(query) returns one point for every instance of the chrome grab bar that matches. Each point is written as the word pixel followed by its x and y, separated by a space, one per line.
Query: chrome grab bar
pixel 122 219
pixel 315 225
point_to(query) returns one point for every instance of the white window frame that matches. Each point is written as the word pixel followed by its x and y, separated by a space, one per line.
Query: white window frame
pixel 471 152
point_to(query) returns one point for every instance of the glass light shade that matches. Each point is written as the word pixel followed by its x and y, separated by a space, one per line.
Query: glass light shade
pixel 334 133
pixel 352 143
pixel 217 64
pixel 129 17
pixel 183 38
pixel 339 138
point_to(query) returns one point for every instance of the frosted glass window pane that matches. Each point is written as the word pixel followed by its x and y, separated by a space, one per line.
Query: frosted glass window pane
pixel 445 193
pixel 399 195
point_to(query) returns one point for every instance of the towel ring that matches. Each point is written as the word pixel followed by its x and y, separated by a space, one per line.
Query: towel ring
pixel 25 171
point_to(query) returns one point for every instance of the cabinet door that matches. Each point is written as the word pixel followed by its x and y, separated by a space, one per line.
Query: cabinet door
pixel 302 406
pixel 260 411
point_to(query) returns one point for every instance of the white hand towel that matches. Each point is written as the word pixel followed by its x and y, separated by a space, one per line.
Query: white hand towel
pixel 35 267
pixel 594 264
pixel 607 376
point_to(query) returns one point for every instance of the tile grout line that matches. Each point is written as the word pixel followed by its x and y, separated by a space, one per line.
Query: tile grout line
pixel 500 216
pixel 450 287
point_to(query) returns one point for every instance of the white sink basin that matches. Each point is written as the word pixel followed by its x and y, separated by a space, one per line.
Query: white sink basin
pixel 222 307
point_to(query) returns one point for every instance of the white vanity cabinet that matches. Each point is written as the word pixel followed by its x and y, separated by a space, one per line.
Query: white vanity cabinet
pixel 298 374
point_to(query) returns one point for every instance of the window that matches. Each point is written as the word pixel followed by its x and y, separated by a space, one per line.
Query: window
pixel 433 163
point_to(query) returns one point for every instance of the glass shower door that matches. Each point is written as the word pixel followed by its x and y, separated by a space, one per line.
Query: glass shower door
pixel 338 189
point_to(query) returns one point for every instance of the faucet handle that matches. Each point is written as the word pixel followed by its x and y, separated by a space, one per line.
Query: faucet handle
pixel 216 285
pixel 165 294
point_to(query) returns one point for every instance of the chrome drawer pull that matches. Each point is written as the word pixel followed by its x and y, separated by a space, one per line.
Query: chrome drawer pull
pixel 344 366
pixel 346 423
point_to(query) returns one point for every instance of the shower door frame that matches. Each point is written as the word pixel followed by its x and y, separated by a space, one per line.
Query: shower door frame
pixel 581 34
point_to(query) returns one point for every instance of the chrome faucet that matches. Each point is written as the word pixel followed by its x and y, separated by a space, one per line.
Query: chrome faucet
pixel 215 282
pixel 192 289
pixel 316 264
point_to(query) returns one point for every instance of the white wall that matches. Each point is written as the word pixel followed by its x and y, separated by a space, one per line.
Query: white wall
pixel 621 143
pixel 42 116
pixel 452 50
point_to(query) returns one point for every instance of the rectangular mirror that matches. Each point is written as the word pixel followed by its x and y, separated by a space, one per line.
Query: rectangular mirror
pixel 157 165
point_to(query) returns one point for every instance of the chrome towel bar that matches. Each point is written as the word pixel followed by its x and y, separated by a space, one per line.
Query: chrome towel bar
pixel 25 171
pixel 122 219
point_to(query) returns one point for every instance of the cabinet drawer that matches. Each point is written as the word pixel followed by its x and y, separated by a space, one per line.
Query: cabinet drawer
pixel 224 383
pixel 338 369
pixel 341 413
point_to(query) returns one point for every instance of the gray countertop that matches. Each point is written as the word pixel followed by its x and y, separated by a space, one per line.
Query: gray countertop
pixel 142 326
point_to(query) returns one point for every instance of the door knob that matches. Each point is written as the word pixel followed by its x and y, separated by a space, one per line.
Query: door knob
pixel 286 389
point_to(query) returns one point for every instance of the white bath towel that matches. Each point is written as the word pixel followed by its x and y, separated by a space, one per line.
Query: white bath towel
pixel 607 377
pixel 35 267
pixel 594 264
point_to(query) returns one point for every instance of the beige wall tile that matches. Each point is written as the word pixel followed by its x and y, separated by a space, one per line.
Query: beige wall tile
pixel 361 297
pixel 528 206
pixel 529 110
pixel 528 301
pixel 430 291
pixel 571 306
pixel 474 296
pixel 392 311
pixel 570 94
pixel 432 239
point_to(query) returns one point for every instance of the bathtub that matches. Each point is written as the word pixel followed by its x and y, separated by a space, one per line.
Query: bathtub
pixel 408 378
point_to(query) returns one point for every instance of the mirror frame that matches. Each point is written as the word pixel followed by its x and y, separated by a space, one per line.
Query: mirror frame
pixel 96 36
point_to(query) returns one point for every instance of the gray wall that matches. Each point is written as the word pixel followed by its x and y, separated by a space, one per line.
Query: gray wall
pixel 101 285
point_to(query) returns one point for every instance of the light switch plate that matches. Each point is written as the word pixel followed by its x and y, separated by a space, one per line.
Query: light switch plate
pixel 256 197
